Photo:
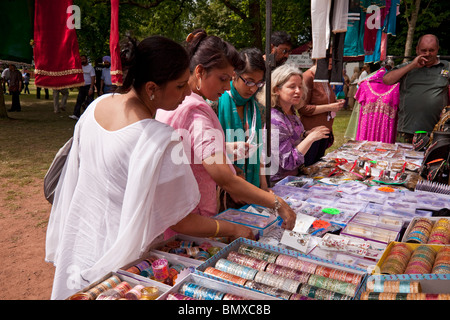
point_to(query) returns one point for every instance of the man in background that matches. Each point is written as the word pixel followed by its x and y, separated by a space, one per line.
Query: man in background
pixel 423 89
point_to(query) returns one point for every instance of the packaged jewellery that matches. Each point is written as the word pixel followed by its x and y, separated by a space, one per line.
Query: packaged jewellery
pixel 118 292
pixel 341 287
pixel 95 291
pixel 225 275
pixel 397 259
pixel 178 296
pixel 294 263
pixel 160 269
pixel 198 292
pixel 421 261
pixel 442 262
pixel 141 266
pixel 290 273
pixel 403 296
pixel 339 275
pixel 440 234
pixel 149 293
pixel 276 281
pixel 393 286
pixel 420 232
pixel 135 293
pixel 247 260
pixel 190 249
pixel 258 253
pixel 321 294
pixel 236 269
pixel 276 292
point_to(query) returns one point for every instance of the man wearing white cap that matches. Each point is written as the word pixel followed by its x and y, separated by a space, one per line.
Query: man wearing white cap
pixel 106 85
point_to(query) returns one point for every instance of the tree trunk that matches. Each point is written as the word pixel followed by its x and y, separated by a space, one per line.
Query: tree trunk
pixel 411 29
pixel 255 21
pixel 3 113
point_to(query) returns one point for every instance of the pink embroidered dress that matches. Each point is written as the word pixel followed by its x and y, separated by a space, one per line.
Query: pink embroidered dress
pixel 378 109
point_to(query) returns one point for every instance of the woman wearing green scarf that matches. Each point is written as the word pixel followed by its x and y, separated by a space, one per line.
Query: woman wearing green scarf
pixel 240 117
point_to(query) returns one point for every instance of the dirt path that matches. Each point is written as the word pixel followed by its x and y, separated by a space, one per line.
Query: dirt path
pixel 23 223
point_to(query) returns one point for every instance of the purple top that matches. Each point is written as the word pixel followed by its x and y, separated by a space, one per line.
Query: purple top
pixel 286 134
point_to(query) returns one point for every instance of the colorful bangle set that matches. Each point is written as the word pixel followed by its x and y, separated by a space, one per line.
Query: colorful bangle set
pixel 422 260
pixel 190 249
pixel 115 289
pixel 403 296
pixel 393 286
pixel 285 276
pixel 425 231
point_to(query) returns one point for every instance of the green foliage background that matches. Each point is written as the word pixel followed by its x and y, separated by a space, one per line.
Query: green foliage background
pixel 236 21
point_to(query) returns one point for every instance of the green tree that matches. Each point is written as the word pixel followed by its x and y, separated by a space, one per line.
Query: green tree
pixel 432 18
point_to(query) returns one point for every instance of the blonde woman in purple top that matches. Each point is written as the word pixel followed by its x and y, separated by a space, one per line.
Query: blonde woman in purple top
pixel 289 140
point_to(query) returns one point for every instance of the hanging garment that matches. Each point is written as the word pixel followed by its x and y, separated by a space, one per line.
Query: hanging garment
pixel 320 13
pixel 378 109
pixel 375 14
pixel 116 64
pixel 354 37
pixel 320 24
pixel 56 54
pixel 376 54
pixel 391 18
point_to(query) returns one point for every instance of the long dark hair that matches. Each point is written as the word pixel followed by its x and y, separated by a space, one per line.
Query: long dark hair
pixel 155 58
pixel 211 52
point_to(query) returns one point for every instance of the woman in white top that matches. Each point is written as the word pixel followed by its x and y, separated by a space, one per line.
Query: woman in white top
pixel 121 186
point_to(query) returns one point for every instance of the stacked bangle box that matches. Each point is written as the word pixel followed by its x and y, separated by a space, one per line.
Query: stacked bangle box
pixel 282 274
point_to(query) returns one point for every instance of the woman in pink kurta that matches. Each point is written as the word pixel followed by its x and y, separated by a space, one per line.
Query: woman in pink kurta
pixel 202 137
pixel 212 66
pixel 378 110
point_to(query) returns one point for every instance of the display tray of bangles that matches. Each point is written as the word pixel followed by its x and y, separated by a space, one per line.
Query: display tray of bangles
pixel 198 287
pixel 195 250
pixel 414 261
pixel 260 224
pixel 428 230
pixel 159 268
pixel 282 273
pixel 388 287
pixel 115 286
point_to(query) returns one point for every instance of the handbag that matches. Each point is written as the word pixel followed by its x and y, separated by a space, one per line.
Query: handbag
pixel 51 178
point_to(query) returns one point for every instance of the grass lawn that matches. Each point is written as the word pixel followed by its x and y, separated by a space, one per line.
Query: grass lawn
pixel 30 139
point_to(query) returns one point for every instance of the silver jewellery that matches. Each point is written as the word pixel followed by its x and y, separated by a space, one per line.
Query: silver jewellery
pixel 277 205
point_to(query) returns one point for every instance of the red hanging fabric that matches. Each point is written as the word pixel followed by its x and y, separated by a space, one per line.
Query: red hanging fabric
pixel 56 54
pixel 114 47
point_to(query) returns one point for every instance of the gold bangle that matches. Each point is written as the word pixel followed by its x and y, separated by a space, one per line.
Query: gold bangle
pixel 217 228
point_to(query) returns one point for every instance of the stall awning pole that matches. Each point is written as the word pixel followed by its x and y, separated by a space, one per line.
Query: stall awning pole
pixel 270 62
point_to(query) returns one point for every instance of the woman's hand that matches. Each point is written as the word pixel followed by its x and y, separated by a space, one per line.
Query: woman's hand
pixel 237 150
pixel 287 214
pixel 242 231
pixel 336 106
pixel 318 133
